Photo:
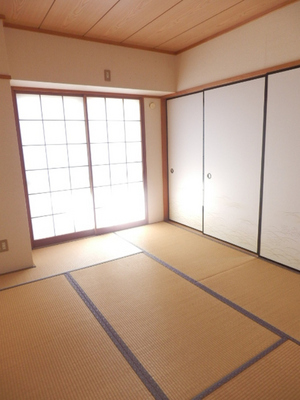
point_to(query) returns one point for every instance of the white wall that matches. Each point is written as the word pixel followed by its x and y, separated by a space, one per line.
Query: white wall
pixel 271 40
pixel 49 58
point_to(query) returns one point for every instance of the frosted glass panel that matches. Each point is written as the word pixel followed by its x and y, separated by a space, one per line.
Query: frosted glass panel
pixel 59 179
pixel 99 154
pixel 118 174
pixel 63 224
pixel 102 196
pixel 32 132
pixel 78 155
pixel 132 109
pixel 34 157
pixel 134 152
pixel 29 106
pixel 80 177
pixel 135 172
pixel 55 132
pixel 133 131
pixel 101 175
pixel 52 107
pixel 114 109
pixel 116 132
pixel 40 205
pixel 37 181
pixel 96 108
pixel 117 153
pixel 57 156
pixel 73 108
pixel 76 131
pixel 98 131
pixel 42 227
pixel 82 209
pixel 61 201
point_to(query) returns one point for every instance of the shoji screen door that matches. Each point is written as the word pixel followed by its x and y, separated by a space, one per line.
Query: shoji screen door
pixel 83 162
pixel 233 150
pixel 280 238
pixel 185 157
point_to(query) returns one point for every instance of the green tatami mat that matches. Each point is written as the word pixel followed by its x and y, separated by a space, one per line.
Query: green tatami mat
pixel 186 339
pixel 53 348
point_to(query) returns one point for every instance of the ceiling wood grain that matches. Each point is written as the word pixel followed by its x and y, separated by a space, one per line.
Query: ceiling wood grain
pixel 171 26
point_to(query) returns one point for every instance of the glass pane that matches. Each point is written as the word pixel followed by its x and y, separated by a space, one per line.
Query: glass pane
pixel 29 106
pixel 37 181
pixel 34 157
pixel 133 131
pixel 76 131
pixel 96 108
pixel 55 132
pixel 40 205
pixel 136 201
pixel 52 107
pixel 102 196
pixel 74 107
pixel 61 201
pixel 32 132
pixel 98 132
pixel 99 154
pixel 135 172
pixel 114 109
pixel 104 217
pixel 117 153
pixel 134 152
pixel 63 224
pixel 82 209
pixel 116 131
pixel 42 227
pixel 101 175
pixel 132 109
pixel 80 177
pixel 77 155
pixel 59 179
pixel 118 174
pixel 57 156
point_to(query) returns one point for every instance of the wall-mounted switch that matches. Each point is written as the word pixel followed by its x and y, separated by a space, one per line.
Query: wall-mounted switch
pixel 107 76
pixel 3 245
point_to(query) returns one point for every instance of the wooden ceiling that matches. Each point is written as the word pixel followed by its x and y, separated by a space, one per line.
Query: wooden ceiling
pixel 170 26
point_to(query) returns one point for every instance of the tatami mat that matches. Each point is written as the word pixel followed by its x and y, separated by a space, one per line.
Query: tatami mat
pixel 57 259
pixel 266 290
pixel 185 338
pixel 274 377
pixel 52 347
pixel 196 256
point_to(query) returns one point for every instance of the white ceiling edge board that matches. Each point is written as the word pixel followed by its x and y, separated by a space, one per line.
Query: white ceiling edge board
pixel 87 88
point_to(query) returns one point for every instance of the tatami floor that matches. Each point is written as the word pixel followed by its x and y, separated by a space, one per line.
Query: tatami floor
pixel 156 311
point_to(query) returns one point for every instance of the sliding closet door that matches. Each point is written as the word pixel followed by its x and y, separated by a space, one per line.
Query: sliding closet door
pixel 185 158
pixel 233 148
pixel 280 238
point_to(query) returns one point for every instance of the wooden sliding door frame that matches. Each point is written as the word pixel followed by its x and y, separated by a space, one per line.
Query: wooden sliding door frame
pixel 83 94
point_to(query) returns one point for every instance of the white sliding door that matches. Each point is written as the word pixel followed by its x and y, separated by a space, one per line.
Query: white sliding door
pixel 185 157
pixel 280 238
pixel 233 149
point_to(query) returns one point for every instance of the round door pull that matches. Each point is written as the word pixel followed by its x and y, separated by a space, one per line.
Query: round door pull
pixel 209 175
pixel 172 170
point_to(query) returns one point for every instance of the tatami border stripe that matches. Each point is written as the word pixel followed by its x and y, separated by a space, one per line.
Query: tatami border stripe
pixel 237 371
pixel 143 374
pixel 223 299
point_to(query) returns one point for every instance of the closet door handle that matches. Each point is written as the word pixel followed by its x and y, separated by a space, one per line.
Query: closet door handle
pixel 172 170
pixel 209 175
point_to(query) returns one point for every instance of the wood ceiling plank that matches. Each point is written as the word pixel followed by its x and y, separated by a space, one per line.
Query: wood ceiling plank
pixel 128 16
pixel 25 12
pixel 179 19
pixel 76 16
pixel 221 23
